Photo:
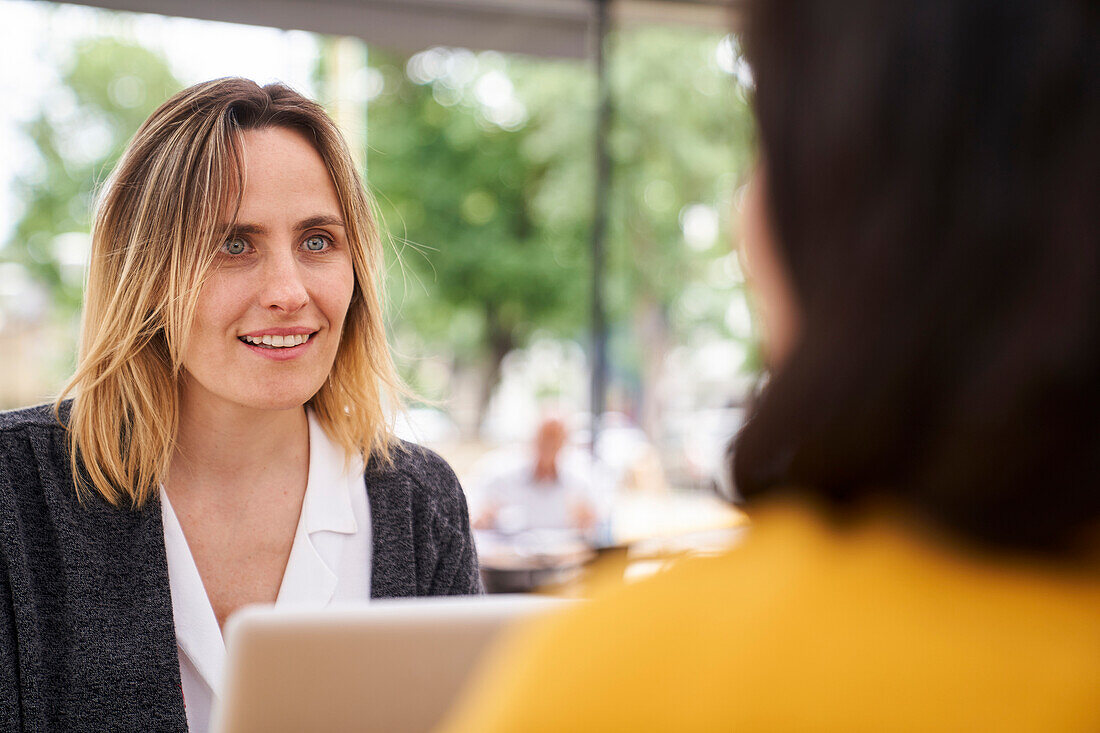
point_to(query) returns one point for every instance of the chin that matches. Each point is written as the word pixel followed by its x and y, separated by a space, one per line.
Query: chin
pixel 282 392
pixel 276 406
pixel 278 399
pixel 275 403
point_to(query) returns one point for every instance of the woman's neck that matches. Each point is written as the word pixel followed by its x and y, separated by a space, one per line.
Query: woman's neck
pixel 222 446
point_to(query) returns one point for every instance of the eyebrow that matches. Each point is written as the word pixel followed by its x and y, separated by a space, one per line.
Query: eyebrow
pixel 319 220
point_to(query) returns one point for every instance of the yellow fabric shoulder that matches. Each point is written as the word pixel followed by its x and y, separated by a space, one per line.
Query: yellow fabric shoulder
pixel 804 628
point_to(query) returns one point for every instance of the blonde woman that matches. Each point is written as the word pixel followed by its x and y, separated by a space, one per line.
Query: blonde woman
pixel 226 440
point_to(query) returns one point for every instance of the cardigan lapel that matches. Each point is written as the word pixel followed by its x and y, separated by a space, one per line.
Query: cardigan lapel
pixel 393 558
pixel 107 580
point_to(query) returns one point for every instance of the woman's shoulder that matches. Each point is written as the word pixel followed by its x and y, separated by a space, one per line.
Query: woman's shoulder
pixel 34 452
pixel 38 416
pixel 417 462
pixel 804 627
pixel 412 462
pixel 31 439
pixel 425 473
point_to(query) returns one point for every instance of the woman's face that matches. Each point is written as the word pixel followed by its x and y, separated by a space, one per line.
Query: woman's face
pixel 270 314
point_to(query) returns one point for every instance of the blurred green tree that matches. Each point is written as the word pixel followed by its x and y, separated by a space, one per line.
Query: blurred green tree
pixel 681 142
pixel 484 191
pixel 108 88
pixel 483 166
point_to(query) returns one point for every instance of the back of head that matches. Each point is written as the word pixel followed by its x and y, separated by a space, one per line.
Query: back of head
pixel 932 183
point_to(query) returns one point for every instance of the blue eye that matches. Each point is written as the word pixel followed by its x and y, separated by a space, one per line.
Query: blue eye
pixel 315 243
pixel 235 246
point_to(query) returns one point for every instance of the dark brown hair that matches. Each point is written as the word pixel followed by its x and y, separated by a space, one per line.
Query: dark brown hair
pixel 933 171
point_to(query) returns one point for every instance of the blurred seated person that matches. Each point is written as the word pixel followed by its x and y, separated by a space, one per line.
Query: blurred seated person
pixel 537 489
pixel 923 466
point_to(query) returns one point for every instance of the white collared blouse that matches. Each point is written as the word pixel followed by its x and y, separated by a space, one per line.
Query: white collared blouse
pixel 330 562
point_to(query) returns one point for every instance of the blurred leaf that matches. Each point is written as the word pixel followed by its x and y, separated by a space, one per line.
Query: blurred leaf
pixel 108 89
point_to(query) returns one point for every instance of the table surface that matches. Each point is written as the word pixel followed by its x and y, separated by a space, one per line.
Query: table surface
pixel 644 516
pixel 648 531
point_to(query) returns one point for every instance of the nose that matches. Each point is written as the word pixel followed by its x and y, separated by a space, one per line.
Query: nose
pixel 283 289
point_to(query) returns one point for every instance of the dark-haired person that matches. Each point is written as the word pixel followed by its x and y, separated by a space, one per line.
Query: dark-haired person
pixel 925 242
pixel 227 443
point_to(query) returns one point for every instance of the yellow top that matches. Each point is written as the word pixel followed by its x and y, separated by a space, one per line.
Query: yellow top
pixel 803 628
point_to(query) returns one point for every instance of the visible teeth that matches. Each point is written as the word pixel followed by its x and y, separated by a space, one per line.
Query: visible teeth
pixel 277 342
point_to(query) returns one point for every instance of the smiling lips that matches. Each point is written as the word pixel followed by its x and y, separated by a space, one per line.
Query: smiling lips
pixel 277 341
pixel 279 344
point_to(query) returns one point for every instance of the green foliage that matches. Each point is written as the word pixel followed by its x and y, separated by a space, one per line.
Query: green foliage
pixel 490 243
pixel 680 131
pixel 109 88
pixel 493 219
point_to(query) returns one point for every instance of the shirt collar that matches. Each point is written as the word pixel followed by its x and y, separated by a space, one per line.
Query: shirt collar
pixel 197 631
pixel 310 577
pixel 326 506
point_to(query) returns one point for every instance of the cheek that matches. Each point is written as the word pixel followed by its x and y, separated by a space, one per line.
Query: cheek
pixel 337 292
pixel 219 306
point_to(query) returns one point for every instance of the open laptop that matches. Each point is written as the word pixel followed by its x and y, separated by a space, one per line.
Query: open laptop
pixel 393 665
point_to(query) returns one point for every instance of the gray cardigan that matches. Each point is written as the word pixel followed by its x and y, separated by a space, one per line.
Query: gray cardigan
pixel 87 640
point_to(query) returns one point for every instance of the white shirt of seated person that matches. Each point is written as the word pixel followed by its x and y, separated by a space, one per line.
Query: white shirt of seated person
pixel 329 563
pixel 520 501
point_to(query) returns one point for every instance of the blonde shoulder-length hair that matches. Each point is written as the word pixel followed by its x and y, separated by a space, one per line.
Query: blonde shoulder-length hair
pixel 158 226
